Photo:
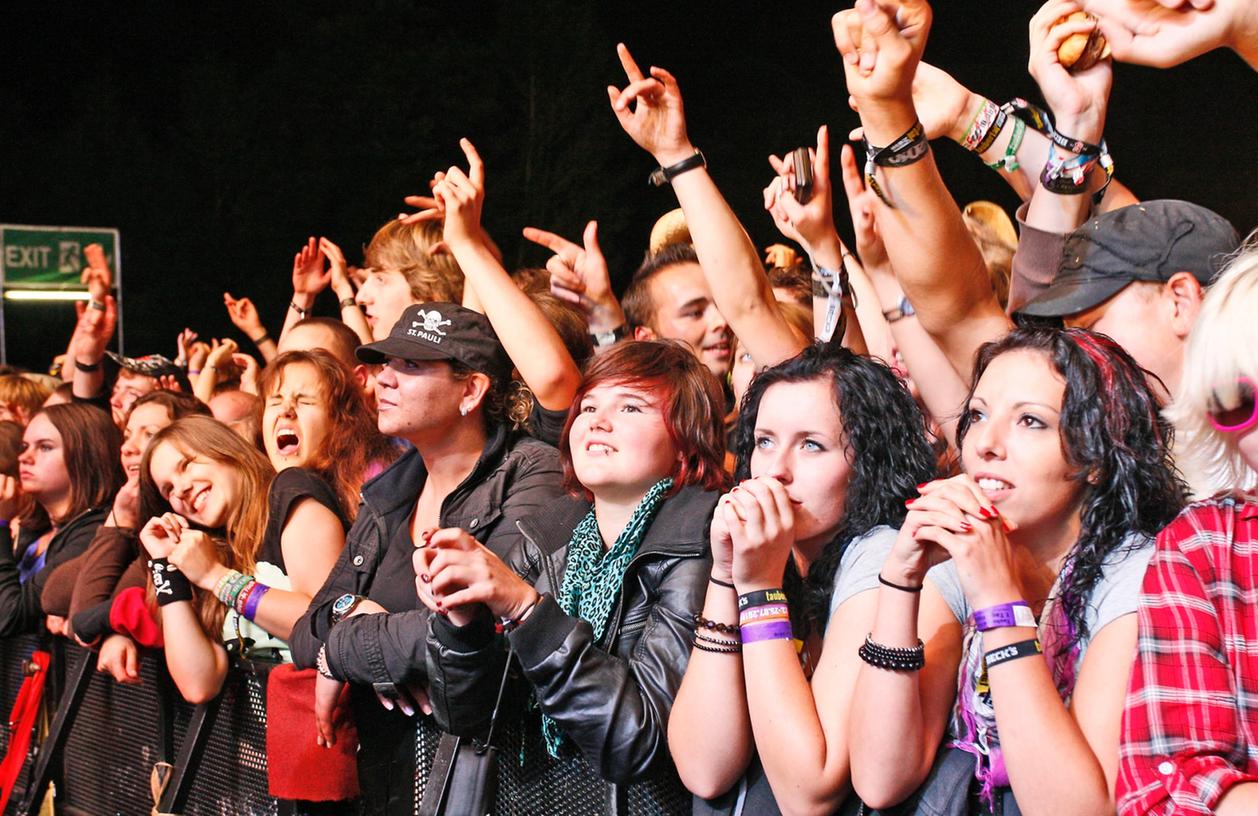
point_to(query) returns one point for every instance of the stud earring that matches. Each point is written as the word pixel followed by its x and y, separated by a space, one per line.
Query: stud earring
pixel 462 410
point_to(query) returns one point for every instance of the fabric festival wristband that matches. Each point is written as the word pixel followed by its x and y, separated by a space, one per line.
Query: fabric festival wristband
pixel 767 630
pixel 169 584
pixel 1009 161
pixel 251 605
pixel 1017 613
pixel 1023 648
pixel 759 612
pixel 911 147
pixel 761 597
pixel 242 597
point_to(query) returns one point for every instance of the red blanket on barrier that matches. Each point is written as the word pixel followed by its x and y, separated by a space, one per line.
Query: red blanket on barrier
pixel 21 723
pixel 297 768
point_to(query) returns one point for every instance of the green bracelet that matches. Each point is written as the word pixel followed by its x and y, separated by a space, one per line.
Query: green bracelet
pixel 1009 161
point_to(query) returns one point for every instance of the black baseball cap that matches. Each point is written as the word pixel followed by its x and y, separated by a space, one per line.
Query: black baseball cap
pixel 442 331
pixel 1150 241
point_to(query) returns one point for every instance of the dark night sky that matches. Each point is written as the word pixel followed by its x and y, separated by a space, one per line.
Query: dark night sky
pixel 217 137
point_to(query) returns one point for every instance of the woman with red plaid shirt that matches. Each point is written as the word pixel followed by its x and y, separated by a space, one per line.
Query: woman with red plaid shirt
pixel 1190 730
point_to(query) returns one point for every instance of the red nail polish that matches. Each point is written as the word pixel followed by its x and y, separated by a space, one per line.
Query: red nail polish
pixel 425 577
pixel 966 527
pixel 923 484
pixel 909 502
pixel 985 512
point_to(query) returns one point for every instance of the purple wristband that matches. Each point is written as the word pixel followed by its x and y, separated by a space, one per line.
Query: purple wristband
pixel 1017 613
pixel 766 630
pixel 251 603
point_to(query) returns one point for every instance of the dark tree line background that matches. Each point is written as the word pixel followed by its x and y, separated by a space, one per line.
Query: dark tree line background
pixel 218 136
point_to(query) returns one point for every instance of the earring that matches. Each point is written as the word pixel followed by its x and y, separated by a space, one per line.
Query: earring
pixel 462 410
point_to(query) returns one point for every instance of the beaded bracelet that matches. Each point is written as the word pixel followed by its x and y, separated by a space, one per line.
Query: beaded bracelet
pixel 724 628
pixel 891 657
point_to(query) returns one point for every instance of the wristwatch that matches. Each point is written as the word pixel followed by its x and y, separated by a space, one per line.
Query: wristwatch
pixel 344 605
pixel 609 338
pixel 905 309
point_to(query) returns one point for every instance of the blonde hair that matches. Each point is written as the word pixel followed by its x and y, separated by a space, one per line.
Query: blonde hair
pixel 406 248
pixel 24 393
pixel 1222 346
pixel 990 227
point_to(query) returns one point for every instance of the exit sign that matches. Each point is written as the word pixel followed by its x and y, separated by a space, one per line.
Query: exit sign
pixel 34 257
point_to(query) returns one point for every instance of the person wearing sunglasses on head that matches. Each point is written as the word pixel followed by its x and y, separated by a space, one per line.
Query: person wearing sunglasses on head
pixel 1189 734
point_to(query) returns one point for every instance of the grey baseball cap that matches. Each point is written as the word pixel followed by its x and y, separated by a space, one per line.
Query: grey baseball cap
pixel 1150 241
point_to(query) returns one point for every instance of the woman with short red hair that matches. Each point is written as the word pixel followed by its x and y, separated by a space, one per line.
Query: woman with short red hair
pixel 602 619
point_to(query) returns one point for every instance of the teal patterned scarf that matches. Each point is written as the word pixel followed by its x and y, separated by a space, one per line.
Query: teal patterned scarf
pixel 592 579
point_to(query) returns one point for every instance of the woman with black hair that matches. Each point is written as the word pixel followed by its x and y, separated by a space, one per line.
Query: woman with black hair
pixel 1041 546
pixel 760 722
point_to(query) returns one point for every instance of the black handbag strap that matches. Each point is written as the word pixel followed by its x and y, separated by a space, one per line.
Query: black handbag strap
pixel 502 687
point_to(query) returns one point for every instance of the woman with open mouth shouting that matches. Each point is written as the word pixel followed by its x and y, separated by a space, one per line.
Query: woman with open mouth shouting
pixel 1019 643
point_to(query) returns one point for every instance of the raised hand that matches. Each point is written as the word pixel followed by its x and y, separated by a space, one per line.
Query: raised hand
pixel 183 343
pixel 761 526
pixel 461 197
pixel 248 366
pixel 94 329
pixel 243 315
pixel 96 277
pixel 579 275
pixel 341 284
pixel 881 42
pixel 650 110
pixel 860 203
pixel 1163 33
pixel 309 276
pixel 812 223
pixel 1078 100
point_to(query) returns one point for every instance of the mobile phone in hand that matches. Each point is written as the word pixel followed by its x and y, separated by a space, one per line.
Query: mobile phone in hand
pixel 801 163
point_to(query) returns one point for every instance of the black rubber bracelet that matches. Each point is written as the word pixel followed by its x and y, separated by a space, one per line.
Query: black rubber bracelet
pixel 82 366
pixel 901 587
pixel 260 339
pixel 1023 648
pixel 761 597
pixel 719 582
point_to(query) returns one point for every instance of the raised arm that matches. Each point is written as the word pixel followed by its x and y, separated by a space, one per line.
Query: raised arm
pixel 528 337
pixel 244 315
pixel 578 274
pixel 933 255
pixel 650 110
pixel 351 313
pixel 310 277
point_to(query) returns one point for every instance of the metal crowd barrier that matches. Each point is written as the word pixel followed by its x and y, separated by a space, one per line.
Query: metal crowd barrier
pixel 104 739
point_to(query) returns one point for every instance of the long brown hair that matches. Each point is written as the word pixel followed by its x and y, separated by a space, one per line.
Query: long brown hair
pixel 353 442
pixel 241 537
pixel 91 444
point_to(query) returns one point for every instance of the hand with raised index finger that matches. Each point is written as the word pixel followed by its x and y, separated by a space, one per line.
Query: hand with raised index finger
pixel 462 196
pixel 579 275
pixel 650 110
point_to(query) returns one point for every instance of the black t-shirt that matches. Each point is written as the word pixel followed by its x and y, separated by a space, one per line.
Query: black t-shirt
pixel 547 425
pixel 290 486
pixel 394 584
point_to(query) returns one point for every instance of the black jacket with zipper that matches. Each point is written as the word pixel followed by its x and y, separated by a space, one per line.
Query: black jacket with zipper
pixel 20 608
pixel 515 476
pixel 612 696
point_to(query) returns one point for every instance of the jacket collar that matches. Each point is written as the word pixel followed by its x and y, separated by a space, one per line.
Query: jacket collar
pixel 396 486
pixel 679 528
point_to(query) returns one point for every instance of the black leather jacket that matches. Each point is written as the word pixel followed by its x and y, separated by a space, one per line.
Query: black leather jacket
pixel 611 697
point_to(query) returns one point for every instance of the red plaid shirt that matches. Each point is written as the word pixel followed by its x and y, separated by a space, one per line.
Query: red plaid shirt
pixel 1190 729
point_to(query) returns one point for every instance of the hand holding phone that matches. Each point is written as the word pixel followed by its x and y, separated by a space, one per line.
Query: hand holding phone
pixel 801 166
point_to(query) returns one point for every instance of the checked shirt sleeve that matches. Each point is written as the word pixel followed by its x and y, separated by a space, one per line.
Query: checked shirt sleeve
pixel 1184 736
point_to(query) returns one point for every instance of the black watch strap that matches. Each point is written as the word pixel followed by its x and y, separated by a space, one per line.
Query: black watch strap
pixel 665 175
